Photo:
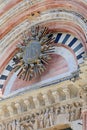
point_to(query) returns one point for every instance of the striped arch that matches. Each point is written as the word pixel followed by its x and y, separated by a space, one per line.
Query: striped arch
pixel 5 73
pixel 45 79
pixel 72 42
pixel 59 50
pixel 60 38
pixel 68 56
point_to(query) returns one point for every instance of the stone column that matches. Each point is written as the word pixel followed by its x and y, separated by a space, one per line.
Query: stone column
pixel 1 93
pixel 67 93
pixel 84 119
pixel 45 97
pixel 17 105
pixel 85 96
pixel 1 113
pixel 56 96
pixel 10 109
pixel 26 101
pixel 36 102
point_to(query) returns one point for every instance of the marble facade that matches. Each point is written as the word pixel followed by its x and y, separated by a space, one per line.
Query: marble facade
pixel 63 99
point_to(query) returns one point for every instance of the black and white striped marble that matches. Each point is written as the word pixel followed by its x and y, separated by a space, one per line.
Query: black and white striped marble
pixel 5 73
pixel 73 43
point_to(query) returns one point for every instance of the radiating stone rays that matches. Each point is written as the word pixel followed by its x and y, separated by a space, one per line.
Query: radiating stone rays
pixel 33 54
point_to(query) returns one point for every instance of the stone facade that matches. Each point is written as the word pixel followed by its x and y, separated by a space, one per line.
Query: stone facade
pixel 52 103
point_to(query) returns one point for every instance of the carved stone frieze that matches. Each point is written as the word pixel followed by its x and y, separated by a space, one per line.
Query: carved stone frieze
pixel 43 118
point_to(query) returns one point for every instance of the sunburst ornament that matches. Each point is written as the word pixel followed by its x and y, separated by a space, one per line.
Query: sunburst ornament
pixel 33 53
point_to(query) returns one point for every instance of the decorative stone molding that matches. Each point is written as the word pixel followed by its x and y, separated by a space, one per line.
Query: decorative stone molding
pixel 44 107
pixel 57 103
pixel 50 15
pixel 44 117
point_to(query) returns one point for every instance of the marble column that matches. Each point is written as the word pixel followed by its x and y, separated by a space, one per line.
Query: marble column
pixel 56 96
pixel 84 119
pixel 11 111
pixel 1 113
pixel 26 101
pixel 18 106
pixel 36 102
pixel 67 93
pixel 45 97
pixel 1 93
pixel 84 107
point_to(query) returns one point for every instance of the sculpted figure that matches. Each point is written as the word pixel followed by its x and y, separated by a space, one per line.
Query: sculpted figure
pixel 78 111
pixel 72 115
pixel 62 110
pixel 37 122
pixel 67 111
pixel 29 124
pixel 55 115
pixel 72 112
pixel 41 119
pixel 26 123
pixel 58 110
pixel 17 124
pixel 46 119
pixel 51 116
pixel 14 125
